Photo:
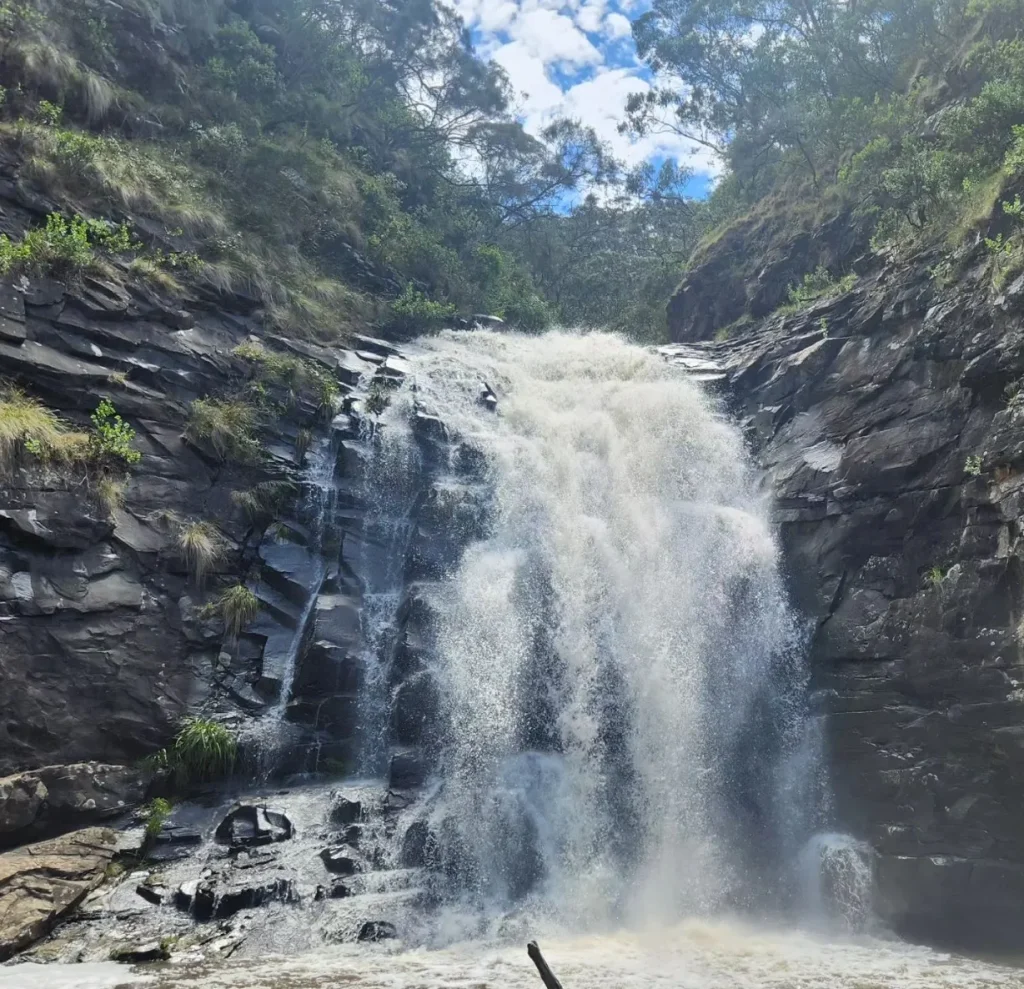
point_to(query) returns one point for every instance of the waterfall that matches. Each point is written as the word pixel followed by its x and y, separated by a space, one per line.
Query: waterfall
pixel 621 690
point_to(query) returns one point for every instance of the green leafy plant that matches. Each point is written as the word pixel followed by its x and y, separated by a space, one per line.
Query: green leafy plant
pixel 935 576
pixel 112 437
pixel 49 114
pixel 413 309
pixel 156 813
pixel 973 466
pixel 819 284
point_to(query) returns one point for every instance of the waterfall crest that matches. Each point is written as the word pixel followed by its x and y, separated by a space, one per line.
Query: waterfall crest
pixel 622 731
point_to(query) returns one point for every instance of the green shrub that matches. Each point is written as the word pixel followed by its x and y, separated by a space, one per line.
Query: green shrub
pixel 935 576
pixel 112 437
pixel 63 247
pixel 972 466
pixel 819 284
pixel 228 426
pixel 413 310
pixel 203 751
pixel 49 114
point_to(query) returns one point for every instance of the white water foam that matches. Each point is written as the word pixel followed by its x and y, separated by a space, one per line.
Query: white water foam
pixel 618 666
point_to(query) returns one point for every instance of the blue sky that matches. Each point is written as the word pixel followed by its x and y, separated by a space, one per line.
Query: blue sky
pixel 576 58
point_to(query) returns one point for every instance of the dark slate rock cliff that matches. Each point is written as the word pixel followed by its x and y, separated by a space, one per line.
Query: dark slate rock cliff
pixel 888 428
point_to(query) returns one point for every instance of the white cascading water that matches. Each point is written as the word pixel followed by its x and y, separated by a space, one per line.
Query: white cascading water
pixel 621 688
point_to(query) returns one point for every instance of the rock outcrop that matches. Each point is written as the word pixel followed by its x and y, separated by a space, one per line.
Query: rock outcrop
pixel 41 883
pixel 57 799
pixel 889 426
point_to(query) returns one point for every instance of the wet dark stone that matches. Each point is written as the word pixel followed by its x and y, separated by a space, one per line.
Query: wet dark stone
pixel 407 771
pixel 245 897
pixel 173 843
pixel 336 891
pixel 341 860
pixel 247 826
pixel 378 930
pixel 346 811
pixel 153 894
pixel 414 845
pixel 137 954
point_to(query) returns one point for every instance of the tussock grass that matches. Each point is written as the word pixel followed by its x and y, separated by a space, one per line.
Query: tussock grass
pixel 264 499
pixel 202 547
pixel 302 377
pixel 228 426
pixel 27 424
pixel 204 750
pixel 110 493
pixel 237 606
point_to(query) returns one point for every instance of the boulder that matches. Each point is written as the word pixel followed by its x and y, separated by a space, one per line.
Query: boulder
pixel 138 954
pixel 43 802
pixel 40 884
pixel 247 826
pixel 414 845
pixel 341 860
pixel 346 811
pixel 336 891
pixel 377 930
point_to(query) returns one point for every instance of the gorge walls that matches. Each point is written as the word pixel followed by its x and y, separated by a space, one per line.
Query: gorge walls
pixel 889 425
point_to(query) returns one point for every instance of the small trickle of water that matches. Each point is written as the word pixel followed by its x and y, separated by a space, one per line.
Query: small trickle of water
pixel 270 735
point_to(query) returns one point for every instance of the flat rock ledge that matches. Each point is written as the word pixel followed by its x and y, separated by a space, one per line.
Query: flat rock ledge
pixel 41 883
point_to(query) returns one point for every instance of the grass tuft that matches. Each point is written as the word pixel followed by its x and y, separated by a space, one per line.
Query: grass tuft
pixel 202 547
pixel 263 499
pixel 110 493
pixel 228 426
pixel 237 606
pixel 204 750
pixel 25 423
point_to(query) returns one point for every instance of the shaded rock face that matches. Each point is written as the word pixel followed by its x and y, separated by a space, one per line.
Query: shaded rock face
pixel 56 799
pixel 41 883
pixel 897 464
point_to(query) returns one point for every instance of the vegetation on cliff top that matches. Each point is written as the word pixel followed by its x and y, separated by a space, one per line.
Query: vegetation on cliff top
pixel 904 115
pixel 337 161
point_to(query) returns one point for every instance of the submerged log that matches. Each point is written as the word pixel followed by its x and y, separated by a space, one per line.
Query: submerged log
pixel 546 974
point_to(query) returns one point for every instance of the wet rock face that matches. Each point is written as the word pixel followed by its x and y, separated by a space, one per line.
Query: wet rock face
pixel 867 413
pixel 41 883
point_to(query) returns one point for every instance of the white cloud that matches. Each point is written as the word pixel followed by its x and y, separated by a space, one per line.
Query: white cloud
pixel 554 39
pixel 589 15
pixel 589 41
pixel 617 26
pixel 528 75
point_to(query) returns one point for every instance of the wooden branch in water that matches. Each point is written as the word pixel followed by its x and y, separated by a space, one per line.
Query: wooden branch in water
pixel 546 974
